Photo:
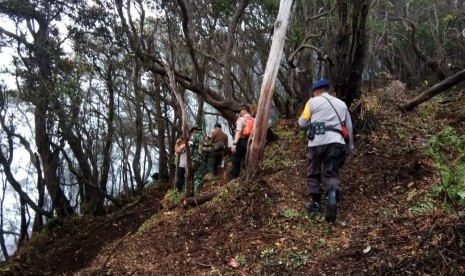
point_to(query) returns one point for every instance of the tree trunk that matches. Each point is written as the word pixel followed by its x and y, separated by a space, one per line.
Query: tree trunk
pixel 2 237
pixel 23 227
pixel 198 200
pixel 138 99
pixel 433 91
pixel 349 48
pixel 50 161
pixel 255 152
pixel 185 129
pixel 38 219
pixel 108 139
pixel 161 137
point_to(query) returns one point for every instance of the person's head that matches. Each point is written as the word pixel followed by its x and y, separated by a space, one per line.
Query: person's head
pixel 320 86
pixel 194 129
pixel 245 109
pixel 217 126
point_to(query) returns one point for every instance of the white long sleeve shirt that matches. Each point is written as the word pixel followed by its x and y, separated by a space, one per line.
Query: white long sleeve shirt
pixel 318 109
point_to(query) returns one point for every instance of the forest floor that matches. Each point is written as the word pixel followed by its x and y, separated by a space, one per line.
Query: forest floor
pixel 389 222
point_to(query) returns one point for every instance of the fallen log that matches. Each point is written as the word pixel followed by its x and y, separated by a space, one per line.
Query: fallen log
pixel 195 201
pixel 433 91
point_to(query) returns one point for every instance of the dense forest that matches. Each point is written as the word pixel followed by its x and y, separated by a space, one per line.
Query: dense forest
pixel 102 89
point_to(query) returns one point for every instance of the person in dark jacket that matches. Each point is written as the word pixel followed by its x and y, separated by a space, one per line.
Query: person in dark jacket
pixel 219 143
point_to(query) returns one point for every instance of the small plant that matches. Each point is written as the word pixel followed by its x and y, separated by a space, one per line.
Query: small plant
pixel 172 196
pixel 423 206
pixel 298 259
pixel 289 213
pixel 447 149
pixel 266 252
pixel 320 242
pixel 240 258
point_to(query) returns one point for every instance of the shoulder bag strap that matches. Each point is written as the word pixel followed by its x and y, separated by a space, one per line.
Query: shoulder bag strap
pixel 333 108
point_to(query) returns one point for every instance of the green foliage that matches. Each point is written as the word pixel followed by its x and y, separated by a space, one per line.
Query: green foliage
pixel 290 213
pixel 449 18
pixel 288 258
pixel 240 258
pixel 52 224
pixel 447 149
pixel 223 7
pixel 172 196
pixel 270 6
pixel 424 206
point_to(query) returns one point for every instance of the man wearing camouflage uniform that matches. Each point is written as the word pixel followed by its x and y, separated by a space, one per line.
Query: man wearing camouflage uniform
pixel 199 165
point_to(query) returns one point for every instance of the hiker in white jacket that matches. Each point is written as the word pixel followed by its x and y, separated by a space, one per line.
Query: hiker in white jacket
pixel 330 130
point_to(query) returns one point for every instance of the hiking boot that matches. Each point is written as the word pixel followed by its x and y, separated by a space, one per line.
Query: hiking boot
pixel 331 208
pixel 313 207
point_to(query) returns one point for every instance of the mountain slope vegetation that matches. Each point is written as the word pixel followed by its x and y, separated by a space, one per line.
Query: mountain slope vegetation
pixel 393 218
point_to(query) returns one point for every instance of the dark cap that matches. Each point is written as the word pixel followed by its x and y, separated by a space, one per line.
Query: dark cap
pixel 320 83
pixel 246 107
pixel 217 125
pixel 195 128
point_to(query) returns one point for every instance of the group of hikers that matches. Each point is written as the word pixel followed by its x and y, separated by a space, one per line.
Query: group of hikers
pixel 208 152
pixel 330 137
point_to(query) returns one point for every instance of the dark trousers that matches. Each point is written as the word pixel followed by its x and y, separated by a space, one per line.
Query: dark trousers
pixel 332 157
pixel 238 157
pixel 213 161
pixel 180 179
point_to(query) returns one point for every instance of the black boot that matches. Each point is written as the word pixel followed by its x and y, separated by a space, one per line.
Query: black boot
pixel 331 208
pixel 315 205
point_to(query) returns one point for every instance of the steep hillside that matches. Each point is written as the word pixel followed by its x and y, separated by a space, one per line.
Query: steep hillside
pixel 389 223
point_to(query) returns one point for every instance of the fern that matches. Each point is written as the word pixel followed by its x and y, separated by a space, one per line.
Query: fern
pixel 447 149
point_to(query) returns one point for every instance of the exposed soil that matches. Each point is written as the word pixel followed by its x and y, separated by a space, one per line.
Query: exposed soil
pixel 388 223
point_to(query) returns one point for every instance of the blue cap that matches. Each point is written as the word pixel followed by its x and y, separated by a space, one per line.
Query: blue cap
pixel 320 83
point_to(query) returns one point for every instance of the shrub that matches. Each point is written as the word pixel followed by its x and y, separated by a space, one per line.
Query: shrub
pixel 448 152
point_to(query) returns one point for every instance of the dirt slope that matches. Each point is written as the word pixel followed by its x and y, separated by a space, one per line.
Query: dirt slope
pixel 388 224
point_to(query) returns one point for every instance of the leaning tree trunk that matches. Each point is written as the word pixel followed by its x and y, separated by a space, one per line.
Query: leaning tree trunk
pixel 185 129
pixel 255 152
pixel 433 91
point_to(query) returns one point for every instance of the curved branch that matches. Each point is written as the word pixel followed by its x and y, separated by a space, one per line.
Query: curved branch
pixel 16 37
pixel 321 55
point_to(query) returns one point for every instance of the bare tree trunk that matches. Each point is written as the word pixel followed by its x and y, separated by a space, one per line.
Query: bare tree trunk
pixel 433 91
pixel 185 129
pixel 161 137
pixel 2 237
pixel 108 139
pixel 23 226
pixel 255 151
pixel 38 219
pixel 138 98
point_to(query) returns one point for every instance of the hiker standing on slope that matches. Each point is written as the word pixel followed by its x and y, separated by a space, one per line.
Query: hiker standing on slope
pixel 324 115
pixel 219 143
pixel 199 165
pixel 244 128
pixel 181 152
